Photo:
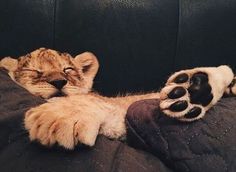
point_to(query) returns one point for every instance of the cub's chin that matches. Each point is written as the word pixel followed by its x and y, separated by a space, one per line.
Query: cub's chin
pixel 58 94
pixel 51 94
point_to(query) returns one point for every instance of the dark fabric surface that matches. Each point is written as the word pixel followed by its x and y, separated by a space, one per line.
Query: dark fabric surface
pixel 127 37
pixel 18 154
pixel 202 146
pixel 207 33
pixel 25 25
pixel 138 42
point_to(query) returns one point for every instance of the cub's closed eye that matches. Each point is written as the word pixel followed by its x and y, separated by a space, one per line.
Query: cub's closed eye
pixel 31 70
pixel 68 69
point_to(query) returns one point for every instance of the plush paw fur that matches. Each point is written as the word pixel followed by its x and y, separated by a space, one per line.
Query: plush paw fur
pixel 72 120
pixel 188 94
pixel 61 122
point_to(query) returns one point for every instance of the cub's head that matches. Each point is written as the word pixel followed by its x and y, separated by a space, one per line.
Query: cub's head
pixel 48 73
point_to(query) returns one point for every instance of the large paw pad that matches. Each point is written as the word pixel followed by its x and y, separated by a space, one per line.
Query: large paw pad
pixel 189 94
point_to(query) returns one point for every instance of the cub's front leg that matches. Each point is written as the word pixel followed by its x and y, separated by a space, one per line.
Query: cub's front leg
pixel 66 121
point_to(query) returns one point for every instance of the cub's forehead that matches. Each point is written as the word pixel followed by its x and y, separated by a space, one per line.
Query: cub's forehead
pixel 46 59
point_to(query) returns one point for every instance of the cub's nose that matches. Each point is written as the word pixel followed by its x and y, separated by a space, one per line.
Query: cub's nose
pixel 59 84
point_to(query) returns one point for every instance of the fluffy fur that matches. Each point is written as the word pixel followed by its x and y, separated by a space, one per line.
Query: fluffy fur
pixel 37 69
pixel 80 115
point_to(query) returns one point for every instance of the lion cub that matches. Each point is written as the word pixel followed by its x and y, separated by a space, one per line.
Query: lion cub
pixel 74 114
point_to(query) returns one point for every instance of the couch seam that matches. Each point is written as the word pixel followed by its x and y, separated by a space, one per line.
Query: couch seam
pixel 113 162
pixel 54 23
pixel 177 35
pixel 202 155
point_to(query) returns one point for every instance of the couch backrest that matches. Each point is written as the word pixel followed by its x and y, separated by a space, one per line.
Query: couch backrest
pixel 138 42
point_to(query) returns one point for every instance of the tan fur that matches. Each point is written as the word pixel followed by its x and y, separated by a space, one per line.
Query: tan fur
pixel 82 115
pixel 33 71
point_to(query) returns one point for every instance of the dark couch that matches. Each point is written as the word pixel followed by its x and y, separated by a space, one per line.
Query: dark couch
pixel 138 43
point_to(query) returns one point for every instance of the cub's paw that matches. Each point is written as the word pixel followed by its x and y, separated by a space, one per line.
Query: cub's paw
pixel 188 94
pixel 52 123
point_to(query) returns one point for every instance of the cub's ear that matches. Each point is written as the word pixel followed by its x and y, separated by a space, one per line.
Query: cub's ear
pixel 9 64
pixel 88 63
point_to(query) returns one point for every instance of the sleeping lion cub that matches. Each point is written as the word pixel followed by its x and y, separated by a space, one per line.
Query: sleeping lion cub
pixel 74 114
